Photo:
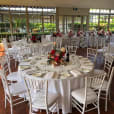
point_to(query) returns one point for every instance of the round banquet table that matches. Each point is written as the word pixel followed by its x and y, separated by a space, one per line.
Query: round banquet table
pixel 62 79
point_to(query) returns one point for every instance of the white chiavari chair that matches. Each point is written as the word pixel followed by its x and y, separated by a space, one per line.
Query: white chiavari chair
pixel 83 97
pixel 102 46
pixel 24 52
pixel 72 49
pixel 92 54
pixel 105 90
pixel 12 90
pixel 38 95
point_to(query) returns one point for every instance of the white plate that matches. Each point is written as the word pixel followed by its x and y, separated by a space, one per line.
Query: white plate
pixel 25 67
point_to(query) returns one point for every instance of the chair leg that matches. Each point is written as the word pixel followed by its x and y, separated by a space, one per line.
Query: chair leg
pixel 11 107
pixel 98 108
pixel 109 95
pixel 106 100
pixel 5 101
pixel 83 109
pixel 47 112
pixel 30 109
pixel 57 108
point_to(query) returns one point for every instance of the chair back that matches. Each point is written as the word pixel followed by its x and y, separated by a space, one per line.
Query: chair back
pixel 108 64
pixel 6 63
pixel 110 78
pixel 92 54
pixel 72 49
pixel 3 74
pixel 36 86
pixel 91 82
pixel 58 43
pixel 100 43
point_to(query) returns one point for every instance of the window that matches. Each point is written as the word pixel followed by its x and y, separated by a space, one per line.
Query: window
pixel 68 23
pixel 42 19
pixel 111 22
pixel 61 23
pixel 77 22
pixel 93 21
pixel 105 11
pixel 103 21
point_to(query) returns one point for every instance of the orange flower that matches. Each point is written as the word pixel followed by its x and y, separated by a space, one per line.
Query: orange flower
pixel 54 43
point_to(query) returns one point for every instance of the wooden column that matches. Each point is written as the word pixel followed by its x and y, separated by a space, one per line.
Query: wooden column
pixel 99 21
pixel 87 23
pixel 63 24
pixel 27 20
pixel 11 24
pixel 57 19
pixel 72 22
pixel 66 23
pixel 81 23
pixel 42 20
pixel 109 20
pixel 108 26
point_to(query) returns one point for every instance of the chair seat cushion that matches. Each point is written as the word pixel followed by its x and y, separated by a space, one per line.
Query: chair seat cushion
pixel 79 95
pixel 17 88
pixel 38 100
pixel 97 71
pixel 13 76
pixel 101 50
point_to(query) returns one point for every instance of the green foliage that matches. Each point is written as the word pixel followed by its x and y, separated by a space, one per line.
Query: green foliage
pixel 19 23
pixel 48 27
pixel 6 34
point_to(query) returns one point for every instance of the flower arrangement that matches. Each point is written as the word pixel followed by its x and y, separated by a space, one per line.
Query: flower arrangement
pixel 56 57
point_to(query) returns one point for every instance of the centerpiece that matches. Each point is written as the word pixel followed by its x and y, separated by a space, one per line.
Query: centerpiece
pixel 57 56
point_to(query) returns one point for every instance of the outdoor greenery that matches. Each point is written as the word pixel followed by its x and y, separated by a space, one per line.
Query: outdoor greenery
pixel 48 27
pixel 19 24
pixel 19 27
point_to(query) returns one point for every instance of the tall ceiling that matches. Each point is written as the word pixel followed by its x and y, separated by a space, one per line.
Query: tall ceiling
pixel 61 3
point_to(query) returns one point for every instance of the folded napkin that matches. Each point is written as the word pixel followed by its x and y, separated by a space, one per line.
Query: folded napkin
pixel 75 73
pixel 65 74
pixel 50 75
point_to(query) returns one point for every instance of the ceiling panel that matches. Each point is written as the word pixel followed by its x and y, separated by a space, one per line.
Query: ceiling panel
pixel 62 3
